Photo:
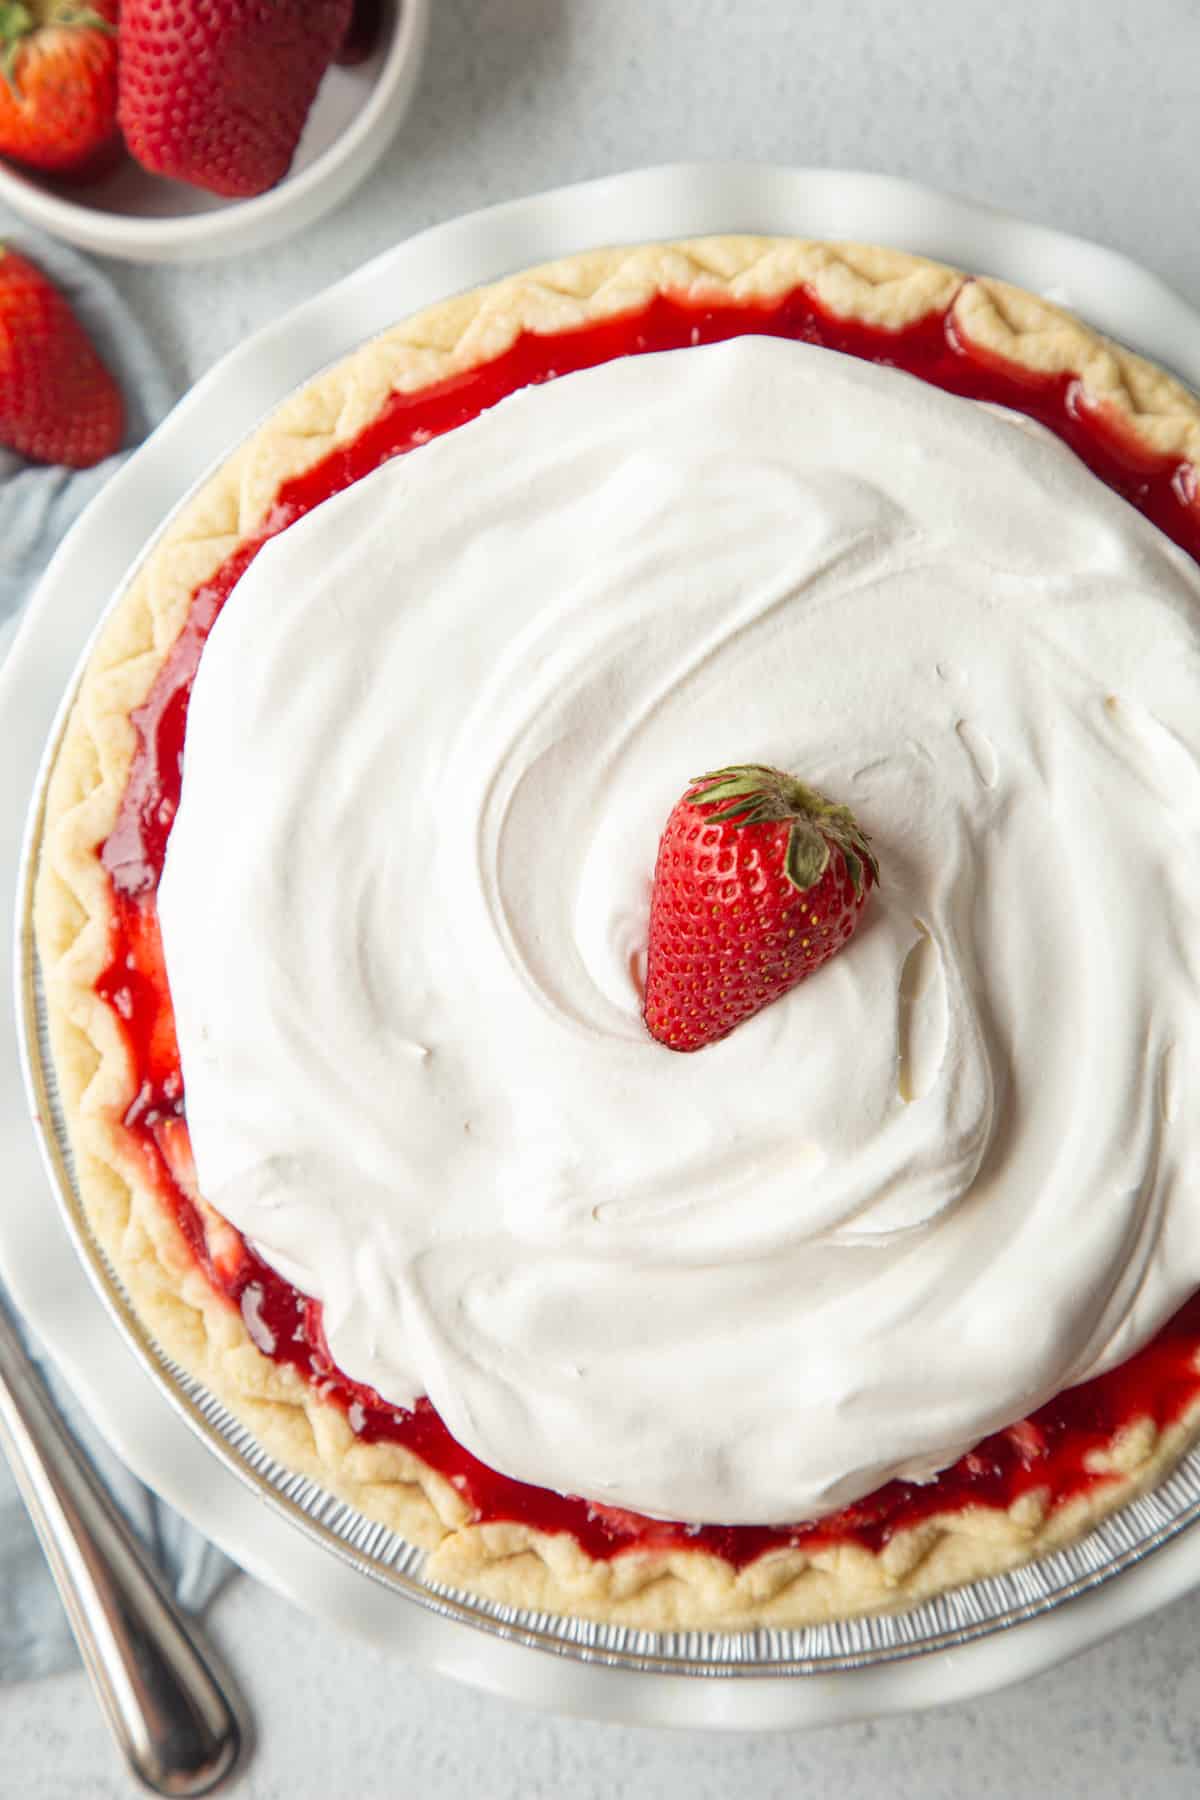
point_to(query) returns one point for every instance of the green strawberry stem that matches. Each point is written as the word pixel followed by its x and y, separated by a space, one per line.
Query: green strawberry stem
pixel 759 795
pixel 17 22
pixel 82 17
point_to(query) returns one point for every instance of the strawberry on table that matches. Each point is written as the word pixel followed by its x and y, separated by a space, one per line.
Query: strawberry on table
pixel 58 85
pixel 216 92
pixel 58 402
pixel 759 880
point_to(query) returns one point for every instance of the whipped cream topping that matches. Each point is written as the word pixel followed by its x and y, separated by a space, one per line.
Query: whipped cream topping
pixel 432 742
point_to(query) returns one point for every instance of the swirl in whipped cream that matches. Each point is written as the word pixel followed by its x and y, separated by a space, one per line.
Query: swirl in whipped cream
pixel 434 736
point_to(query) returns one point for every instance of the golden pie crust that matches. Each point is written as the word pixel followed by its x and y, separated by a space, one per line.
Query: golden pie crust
pixel 198 1328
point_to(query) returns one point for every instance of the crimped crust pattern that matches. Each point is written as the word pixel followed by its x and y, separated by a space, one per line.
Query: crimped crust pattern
pixel 193 1324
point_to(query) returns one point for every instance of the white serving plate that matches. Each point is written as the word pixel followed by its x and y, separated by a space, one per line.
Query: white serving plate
pixel 145 1418
pixel 145 218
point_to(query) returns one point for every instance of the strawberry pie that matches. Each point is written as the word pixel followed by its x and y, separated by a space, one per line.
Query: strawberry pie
pixel 345 897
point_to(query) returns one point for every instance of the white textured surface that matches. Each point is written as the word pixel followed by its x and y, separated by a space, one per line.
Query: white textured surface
pixel 1077 115
pixel 337 1721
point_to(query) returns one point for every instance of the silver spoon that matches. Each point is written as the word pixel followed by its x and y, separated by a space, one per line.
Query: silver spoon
pixel 172 1721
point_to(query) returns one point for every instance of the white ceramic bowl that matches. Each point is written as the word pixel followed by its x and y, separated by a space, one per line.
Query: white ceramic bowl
pixel 147 1415
pixel 145 218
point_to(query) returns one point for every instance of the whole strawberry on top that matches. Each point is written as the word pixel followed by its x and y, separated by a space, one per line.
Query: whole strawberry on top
pixel 58 402
pixel 58 85
pixel 759 880
pixel 216 92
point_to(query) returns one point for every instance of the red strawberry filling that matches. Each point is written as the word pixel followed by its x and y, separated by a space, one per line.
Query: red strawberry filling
pixel 1051 1450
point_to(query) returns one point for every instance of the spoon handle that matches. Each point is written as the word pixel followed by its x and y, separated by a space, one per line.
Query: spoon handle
pixel 172 1721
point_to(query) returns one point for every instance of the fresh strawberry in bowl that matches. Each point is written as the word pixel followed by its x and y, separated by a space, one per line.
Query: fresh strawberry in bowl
pixel 216 92
pixel 58 401
pixel 58 86
pixel 759 880
pixel 253 117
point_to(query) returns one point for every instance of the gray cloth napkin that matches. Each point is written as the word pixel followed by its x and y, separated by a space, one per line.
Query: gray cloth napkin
pixel 37 506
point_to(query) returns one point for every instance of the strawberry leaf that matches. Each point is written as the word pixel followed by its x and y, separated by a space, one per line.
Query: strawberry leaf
pixel 807 856
pixel 16 22
pixel 732 787
pixel 82 18
pixel 755 794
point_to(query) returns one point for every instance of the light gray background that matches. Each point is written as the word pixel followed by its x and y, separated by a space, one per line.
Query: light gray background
pixel 1081 115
